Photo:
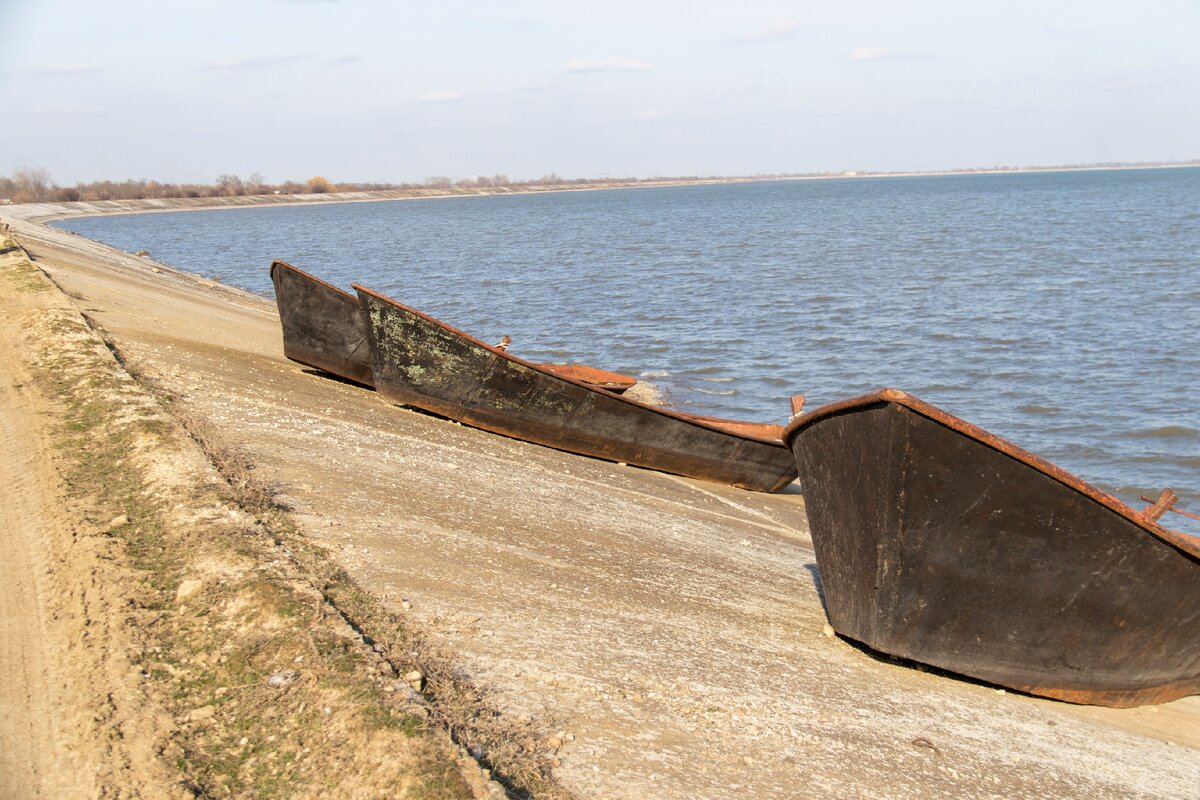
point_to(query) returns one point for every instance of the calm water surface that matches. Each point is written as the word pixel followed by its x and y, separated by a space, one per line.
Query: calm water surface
pixel 1059 310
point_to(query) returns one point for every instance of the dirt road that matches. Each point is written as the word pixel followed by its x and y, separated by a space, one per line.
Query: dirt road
pixel 665 633
pixel 72 723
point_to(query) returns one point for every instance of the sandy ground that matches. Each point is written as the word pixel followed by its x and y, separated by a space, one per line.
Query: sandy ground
pixel 669 630
pixel 74 721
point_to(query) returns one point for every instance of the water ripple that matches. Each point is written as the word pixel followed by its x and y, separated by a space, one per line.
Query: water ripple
pixel 1059 309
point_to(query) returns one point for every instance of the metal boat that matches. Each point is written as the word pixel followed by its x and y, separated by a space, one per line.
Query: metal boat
pixel 421 362
pixel 322 328
pixel 941 543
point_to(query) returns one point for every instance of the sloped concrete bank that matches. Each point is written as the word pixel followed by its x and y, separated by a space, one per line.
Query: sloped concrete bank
pixel 662 636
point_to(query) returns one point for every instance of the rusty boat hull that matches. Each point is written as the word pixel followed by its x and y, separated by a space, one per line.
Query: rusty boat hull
pixel 420 362
pixel 322 326
pixel 941 543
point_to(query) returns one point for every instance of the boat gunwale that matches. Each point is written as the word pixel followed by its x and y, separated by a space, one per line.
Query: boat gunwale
pixel 679 415
pixel 279 262
pixel 626 382
pixel 1182 541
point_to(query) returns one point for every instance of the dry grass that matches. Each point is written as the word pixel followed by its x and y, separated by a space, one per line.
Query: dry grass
pixel 218 607
pixel 517 754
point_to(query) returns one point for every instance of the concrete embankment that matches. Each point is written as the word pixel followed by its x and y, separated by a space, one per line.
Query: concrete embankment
pixel 662 637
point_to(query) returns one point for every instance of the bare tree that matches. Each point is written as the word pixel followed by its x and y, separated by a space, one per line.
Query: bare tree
pixel 255 183
pixel 32 185
pixel 230 185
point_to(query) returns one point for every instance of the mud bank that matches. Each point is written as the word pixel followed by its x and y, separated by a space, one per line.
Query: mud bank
pixel 664 636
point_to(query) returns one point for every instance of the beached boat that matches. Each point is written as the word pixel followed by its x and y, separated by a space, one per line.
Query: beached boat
pixel 941 543
pixel 420 362
pixel 323 328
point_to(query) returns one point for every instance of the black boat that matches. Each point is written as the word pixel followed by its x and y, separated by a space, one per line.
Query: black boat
pixel 941 543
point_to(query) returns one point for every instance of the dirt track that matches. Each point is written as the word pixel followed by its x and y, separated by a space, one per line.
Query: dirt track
pixel 72 724
pixel 671 630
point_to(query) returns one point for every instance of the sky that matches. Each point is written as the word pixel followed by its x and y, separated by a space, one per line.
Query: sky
pixel 370 90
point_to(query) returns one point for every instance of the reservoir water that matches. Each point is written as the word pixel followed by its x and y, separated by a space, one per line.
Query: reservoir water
pixel 1058 310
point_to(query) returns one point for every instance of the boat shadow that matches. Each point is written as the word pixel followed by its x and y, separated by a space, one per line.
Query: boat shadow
pixel 320 373
pixel 815 573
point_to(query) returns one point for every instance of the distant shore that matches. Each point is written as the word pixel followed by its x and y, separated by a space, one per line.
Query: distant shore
pixel 49 211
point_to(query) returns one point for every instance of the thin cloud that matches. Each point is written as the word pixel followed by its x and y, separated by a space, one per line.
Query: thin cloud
pixel 256 62
pixel 62 111
pixel 870 54
pixel 1118 85
pixel 341 59
pixel 778 28
pixel 652 113
pixel 443 96
pixel 607 65
pixel 64 69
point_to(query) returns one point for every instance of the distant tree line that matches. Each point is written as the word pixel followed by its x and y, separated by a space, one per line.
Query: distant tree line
pixel 34 185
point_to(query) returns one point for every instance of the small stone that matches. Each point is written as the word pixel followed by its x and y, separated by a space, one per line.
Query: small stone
pixel 201 714
pixel 827 631
pixel 188 588
pixel 415 679
pixel 155 269
pixel 118 521
pixel 281 679
pixel 243 740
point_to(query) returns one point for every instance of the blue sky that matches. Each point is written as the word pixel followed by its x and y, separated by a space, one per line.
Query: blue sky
pixel 367 90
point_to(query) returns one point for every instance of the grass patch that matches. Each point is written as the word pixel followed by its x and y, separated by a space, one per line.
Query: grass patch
pixel 269 604
pixel 272 694
pixel 18 271
pixel 512 751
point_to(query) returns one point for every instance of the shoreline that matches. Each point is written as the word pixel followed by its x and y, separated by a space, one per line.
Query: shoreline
pixel 53 211
pixel 656 637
